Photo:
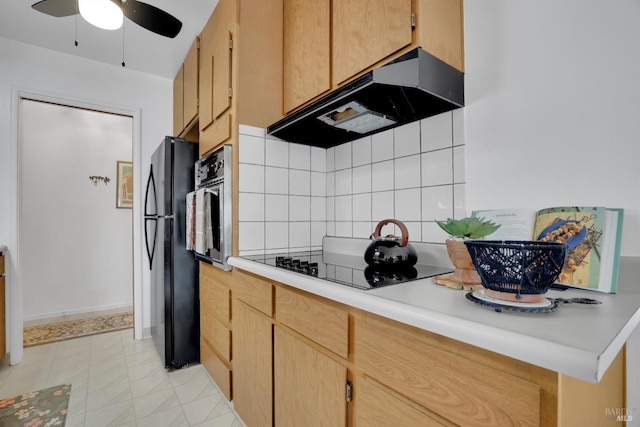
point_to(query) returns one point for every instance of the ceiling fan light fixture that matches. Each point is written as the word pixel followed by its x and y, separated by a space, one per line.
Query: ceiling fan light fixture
pixel 103 14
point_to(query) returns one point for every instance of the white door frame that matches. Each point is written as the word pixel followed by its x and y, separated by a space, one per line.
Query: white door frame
pixel 15 307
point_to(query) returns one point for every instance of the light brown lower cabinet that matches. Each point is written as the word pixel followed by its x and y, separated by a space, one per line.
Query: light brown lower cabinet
pixel 252 365
pixel 293 356
pixel 215 325
pixel 377 407
pixel 309 386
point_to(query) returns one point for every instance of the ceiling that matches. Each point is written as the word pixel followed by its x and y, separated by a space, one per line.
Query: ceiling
pixel 143 50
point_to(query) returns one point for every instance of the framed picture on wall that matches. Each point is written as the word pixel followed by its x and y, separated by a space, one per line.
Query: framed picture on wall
pixel 124 189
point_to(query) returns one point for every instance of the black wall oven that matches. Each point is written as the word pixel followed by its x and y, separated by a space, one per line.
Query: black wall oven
pixel 213 200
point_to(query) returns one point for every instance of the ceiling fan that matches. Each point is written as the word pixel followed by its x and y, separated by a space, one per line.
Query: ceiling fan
pixel 143 14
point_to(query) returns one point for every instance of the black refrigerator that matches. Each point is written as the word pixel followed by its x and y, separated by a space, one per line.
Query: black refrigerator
pixel 175 319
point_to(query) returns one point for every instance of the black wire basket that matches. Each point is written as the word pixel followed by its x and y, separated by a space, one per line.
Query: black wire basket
pixel 518 267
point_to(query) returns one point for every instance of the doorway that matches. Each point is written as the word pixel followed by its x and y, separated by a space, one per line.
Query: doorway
pixel 75 231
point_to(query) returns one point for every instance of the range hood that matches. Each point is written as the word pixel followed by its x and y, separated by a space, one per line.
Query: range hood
pixel 409 88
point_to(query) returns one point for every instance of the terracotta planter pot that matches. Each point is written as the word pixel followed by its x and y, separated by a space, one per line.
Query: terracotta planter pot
pixel 465 273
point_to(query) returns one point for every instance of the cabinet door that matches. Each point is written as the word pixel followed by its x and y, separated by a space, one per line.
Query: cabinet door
pixel 309 386
pixel 252 365
pixel 215 63
pixel 376 407
pixel 190 86
pixel 365 32
pixel 178 101
pixel 306 51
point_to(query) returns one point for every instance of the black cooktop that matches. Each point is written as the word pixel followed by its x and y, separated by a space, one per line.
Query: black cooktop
pixel 347 270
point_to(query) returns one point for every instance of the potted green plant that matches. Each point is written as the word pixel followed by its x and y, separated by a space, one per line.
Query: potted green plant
pixel 465 275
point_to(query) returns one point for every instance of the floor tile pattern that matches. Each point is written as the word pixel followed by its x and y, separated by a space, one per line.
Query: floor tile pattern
pixel 41 334
pixel 118 381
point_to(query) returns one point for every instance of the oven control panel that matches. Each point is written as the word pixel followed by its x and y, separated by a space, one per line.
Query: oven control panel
pixel 211 169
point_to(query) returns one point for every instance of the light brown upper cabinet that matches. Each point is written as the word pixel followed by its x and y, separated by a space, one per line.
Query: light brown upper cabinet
pixel 330 42
pixel 365 32
pixel 216 50
pixel 185 92
pixel 307 39
pixel 240 69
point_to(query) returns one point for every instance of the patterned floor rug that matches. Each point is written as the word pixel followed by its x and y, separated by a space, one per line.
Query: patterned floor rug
pixel 42 334
pixel 46 407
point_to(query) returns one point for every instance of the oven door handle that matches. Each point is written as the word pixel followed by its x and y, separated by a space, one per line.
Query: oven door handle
pixel 217 216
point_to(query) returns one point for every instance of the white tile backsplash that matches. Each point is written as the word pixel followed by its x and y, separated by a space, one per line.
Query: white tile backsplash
pixel 300 157
pixel 437 167
pixel 344 208
pixel 277 235
pixel 458 126
pixel 300 182
pixel 382 146
pixel 361 151
pixel 251 235
pixel 276 207
pixel 318 159
pixel 382 176
pixel 436 132
pixel 299 208
pixel 362 179
pixel 319 184
pixel 251 207
pixel 407 205
pixel 343 156
pixel 252 149
pixel 252 131
pixel 407 172
pixel 415 173
pixel 252 178
pixel 458 164
pixel 437 202
pixel 300 234
pixel 406 140
pixel 363 229
pixel 382 206
pixel 276 153
pixel 362 207
pixel 276 180
pixel 344 182
pixel 318 208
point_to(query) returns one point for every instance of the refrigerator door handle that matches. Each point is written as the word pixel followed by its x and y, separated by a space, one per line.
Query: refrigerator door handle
pixel 151 245
pixel 150 195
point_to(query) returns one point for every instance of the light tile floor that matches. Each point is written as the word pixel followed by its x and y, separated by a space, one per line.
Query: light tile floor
pixel 118 381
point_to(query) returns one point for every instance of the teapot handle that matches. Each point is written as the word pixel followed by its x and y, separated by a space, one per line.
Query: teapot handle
pixel 403 229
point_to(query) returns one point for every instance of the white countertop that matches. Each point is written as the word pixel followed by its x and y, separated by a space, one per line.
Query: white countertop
pixel 577 340
pixel 3 249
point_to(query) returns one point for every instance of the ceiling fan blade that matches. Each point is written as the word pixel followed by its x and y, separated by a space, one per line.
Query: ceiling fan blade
pixel 151 18
pixel 57 8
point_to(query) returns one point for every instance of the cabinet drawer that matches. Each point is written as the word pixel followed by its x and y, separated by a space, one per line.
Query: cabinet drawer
pixel 216 368
pixel 468 392
pixel 323 323
pixel 214 297
pixel 217 335
pixel 253 291
pixel 376 407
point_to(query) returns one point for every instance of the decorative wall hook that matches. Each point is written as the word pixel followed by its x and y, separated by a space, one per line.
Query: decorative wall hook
pixel 96 179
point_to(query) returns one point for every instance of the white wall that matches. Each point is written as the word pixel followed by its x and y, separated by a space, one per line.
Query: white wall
pixel 77 245
pixel 28 69
pixel 552 114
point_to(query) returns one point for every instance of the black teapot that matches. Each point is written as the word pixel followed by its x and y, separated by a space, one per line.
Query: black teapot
pixel 390 251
